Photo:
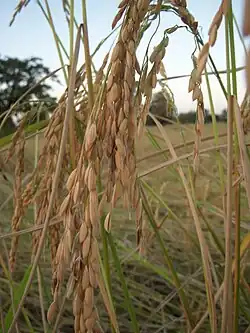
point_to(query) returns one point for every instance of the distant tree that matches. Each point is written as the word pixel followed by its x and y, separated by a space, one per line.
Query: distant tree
pixel 207 116
pixel 224 115
pixel 188 117
pixel 162 106
pixel 16 77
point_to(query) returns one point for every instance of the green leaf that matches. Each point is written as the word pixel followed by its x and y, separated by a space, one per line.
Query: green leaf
pixel 18 293
pixel 127 300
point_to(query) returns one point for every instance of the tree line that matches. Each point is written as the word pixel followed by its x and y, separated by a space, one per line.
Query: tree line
pixel 17 76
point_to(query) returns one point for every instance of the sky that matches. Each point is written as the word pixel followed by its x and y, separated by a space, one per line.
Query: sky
pixel 30 35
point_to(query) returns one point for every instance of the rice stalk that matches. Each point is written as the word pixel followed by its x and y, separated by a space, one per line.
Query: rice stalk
pixel 52 26
pixel 227 310
pixel 246 32
pixel 54 187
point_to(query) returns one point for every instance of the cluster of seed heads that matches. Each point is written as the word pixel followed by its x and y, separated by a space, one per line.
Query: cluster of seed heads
pixel 195 78
pixel 78 246
pixel 110 132
pixel 118 131
pixel 186 17
pixel 17 194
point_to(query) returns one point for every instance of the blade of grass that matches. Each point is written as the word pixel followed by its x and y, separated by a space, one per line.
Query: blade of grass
pixel 128 302
pixel 39 273
pixel 182 296
pixel 202 241
pixel 186 144
pixel 18 294
pixel 72 138
pixel 227 315
pixel 238 69
pixel 171 213
pixel 178 159
pixel 216 134
pixel 55 35
pixel 107 296
pixel 87 56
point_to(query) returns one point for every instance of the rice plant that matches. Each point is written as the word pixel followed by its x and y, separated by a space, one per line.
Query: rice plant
pixel 117 227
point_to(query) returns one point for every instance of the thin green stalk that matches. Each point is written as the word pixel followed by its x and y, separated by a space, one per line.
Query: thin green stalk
pixel 39 274
pixel 237 158
pixel 216 133
pixel 228 64
pixel 129 304
pixel 200 41
pixel 226 326
pixel 181 292
pixel 41 298
pixel 71 30
pixel 170 212
pixel 240 34
pixel 175 77
pixel 202 241
pixel 57 37
pixel 52 26
pixel 87 56
pixel 237 260
pixel 105 253
pixel 106 264
pixel 232 49
pixel 72 138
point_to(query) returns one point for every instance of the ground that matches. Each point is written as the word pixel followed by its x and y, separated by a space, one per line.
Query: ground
pixel 178 229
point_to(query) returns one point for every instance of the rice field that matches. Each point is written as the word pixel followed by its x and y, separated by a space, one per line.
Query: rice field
pixel 111 226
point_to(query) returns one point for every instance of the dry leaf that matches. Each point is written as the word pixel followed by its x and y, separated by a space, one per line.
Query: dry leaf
pixel 217 19
pixel 213 35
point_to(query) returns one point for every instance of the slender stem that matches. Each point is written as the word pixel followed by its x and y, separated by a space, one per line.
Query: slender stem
pixel 71 29
pixel 41 299
pixel 240 34
pixel 175 77
pixel 237 260
pixel 72 139
pixel 39 274
pixel 237 158
pixel 87 56
pixel 216 133
pixel 55 38
pixel 227 301
pixel 228 57
pixel 199 39
pixel 232 49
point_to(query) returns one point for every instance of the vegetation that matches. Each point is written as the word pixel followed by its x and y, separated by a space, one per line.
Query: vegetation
pixel 119 227
pixel 19 77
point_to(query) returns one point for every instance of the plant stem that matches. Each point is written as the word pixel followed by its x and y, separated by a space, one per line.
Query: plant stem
pixel 52 26
pixel 87 56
